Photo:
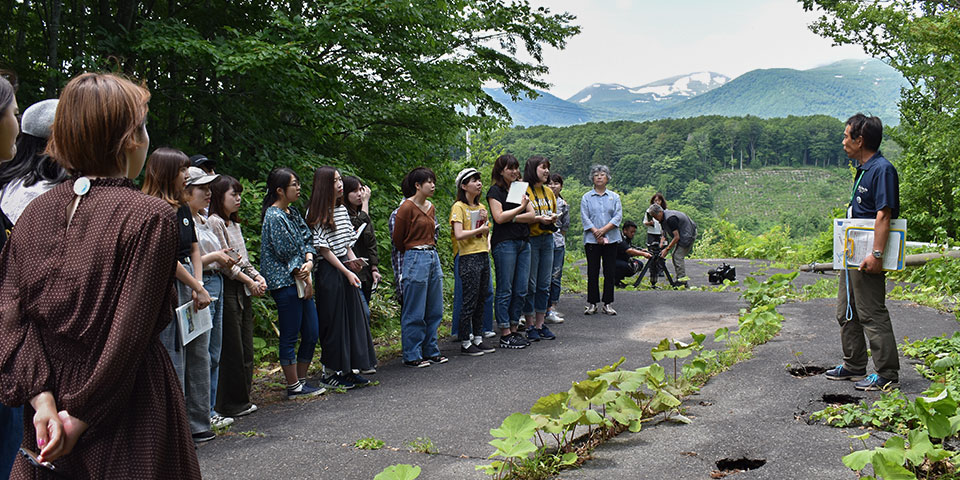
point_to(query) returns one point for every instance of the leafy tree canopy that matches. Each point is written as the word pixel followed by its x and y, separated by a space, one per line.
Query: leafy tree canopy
pixel 920 38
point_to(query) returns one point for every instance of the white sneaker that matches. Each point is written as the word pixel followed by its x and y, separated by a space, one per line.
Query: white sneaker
pixel 590 309
pixel 247 411
pixel 217 421
pixel 553 317
pixel 607 309
pixel 489 334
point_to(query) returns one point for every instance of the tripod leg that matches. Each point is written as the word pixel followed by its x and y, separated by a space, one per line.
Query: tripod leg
pixel 643 270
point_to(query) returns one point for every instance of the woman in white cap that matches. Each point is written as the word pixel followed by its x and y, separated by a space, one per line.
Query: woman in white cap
pixel 468 220
pixel 31 172
pixel 214 257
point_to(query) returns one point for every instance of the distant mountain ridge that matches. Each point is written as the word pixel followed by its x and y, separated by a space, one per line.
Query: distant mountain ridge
pixel 838 89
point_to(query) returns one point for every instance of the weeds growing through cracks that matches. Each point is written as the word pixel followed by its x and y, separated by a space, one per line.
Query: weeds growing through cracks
pixel 611 400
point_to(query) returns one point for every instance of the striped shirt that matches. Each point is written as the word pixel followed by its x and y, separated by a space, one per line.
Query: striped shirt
pixel 338 240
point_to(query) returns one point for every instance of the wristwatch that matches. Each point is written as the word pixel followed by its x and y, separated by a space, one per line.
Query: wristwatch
pixel 878 254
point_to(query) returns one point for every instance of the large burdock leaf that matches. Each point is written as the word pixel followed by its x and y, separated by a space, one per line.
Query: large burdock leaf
pixel 518 426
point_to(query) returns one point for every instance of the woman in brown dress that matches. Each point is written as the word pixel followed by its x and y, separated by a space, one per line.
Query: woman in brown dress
pixel 86 284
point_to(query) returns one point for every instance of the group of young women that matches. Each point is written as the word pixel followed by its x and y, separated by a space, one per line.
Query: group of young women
pixel 92 343
pixel 522 235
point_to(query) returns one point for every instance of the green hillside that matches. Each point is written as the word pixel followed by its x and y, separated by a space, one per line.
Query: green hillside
pixel 839 90
pixel 799 198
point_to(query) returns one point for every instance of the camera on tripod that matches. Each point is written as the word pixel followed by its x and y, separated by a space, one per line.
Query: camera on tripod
pixel 721 273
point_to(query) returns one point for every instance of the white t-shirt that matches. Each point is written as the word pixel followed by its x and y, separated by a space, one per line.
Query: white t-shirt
pixel 655 228
pixel 15 197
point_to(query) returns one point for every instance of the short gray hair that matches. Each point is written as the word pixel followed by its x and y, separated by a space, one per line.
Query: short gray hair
pixel 653 210
pixel 598 169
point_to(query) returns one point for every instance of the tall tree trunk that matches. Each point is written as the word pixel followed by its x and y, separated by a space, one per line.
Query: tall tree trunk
pixel 53 44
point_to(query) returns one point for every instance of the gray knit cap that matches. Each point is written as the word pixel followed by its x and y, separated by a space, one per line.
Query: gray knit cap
pixel 37 120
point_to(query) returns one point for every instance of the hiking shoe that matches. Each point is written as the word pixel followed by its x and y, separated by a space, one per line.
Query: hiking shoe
pixel 607 309
pixel 876 382
pixel 486 347
pixel 368 371
pixel 218 421
pixel 546 334
pixel 246 411
pixel 840 373
pixel 471 351
pixel 421 363
pixel 337 381
pixel 204 436
pixel 489 334
pixel 553 317
pixel 590 309
pixel 438 359
pixel 303 389
pixel 357 380
pixel 513 340
pixel 533 334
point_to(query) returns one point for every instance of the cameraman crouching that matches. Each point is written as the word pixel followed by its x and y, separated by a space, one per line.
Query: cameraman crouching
pixel 626 265
pixel 683 232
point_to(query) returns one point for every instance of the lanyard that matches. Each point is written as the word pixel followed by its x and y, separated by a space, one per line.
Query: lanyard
pixel 855 186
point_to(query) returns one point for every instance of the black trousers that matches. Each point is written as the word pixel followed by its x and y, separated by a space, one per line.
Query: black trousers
pixel 607 255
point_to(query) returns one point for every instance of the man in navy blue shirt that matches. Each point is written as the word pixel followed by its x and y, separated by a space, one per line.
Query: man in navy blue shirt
pixel 861 306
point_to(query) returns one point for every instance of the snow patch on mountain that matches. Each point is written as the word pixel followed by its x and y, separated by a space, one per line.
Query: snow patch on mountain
pixel 586 99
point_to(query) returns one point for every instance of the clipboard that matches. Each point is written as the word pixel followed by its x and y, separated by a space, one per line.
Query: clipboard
pixel 517 190
pixel 853 241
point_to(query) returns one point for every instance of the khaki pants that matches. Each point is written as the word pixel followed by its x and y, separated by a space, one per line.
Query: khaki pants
pixel 679 254
pixel 870 318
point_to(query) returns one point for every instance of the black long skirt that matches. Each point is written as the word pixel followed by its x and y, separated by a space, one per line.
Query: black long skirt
pixel 345 340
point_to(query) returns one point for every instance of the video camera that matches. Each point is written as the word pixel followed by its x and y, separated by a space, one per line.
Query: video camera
pixel 721 273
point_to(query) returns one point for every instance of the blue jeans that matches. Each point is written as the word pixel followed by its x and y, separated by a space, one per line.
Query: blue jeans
pixel 558 253
pixel 213 282
pixel 458 299
pixel 296 316
pixel 541 271
pixel 422 304
pixel 11 435
pixel 511 260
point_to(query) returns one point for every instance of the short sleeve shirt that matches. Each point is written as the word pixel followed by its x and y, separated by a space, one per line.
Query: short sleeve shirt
pixel 544 203
pixel 460 213
pixel 187 232
pixel 509 230
pixel 877 187
pixel 337 240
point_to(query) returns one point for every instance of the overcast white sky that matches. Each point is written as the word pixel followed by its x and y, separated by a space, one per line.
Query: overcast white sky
pixel 634 42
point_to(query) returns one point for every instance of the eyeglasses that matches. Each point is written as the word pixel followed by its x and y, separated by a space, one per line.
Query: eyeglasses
pixel 294 184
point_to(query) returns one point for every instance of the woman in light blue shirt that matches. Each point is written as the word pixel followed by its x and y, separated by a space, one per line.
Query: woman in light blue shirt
pixel 601 213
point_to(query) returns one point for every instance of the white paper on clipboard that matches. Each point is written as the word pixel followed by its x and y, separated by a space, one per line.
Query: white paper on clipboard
pixel 517 191
pixel 853 241
pixel 193 324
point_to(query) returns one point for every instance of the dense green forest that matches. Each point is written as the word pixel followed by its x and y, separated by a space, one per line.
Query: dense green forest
pixel 679 157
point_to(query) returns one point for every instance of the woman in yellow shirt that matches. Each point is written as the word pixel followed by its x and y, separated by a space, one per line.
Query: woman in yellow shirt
pixel 468 219
pixel 536 173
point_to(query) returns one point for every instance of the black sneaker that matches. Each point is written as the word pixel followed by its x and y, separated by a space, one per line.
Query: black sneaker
pixel 204 436
pixel 438 359
pixel 421 363
pixel 336 381
pixel 486 347
pixel 471 351
pixel 357 380
pixel 522 339
pixel 513 341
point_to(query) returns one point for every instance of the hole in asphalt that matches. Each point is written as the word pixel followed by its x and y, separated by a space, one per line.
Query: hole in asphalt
pixel 739 465
pixel 806 371
pixel 840 399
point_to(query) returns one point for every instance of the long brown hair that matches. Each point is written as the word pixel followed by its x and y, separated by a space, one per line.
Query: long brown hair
pixel 99 117
pixel 218 189
pixel 162 177
pixel 323 198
